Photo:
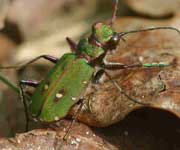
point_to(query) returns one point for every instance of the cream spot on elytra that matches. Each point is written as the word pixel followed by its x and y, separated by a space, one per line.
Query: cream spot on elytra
pixel 46 86
pixel 73 98
pixel 56 118
pixel 59 95
pixel 85 82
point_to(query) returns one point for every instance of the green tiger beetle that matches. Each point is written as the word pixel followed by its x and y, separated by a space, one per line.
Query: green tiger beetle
pixel 66 82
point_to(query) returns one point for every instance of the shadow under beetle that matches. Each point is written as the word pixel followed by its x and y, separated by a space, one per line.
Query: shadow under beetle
pixel 66 82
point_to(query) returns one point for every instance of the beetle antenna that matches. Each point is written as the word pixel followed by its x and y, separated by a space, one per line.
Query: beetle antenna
pixel 115 8
pixel 121 34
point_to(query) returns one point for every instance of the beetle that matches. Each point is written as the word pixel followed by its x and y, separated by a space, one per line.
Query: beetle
pixel 66 83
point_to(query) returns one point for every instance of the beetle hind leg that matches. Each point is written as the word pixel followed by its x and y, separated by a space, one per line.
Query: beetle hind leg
pixel 23 98
pixel 22 95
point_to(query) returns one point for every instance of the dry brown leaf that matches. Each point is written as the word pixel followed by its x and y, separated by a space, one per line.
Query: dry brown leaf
pixel 81 137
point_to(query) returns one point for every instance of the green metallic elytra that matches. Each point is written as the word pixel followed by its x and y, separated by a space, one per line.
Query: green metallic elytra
pixel 61 89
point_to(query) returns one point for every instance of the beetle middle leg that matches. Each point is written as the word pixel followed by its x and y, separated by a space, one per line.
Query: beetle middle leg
pixel 23 97
pixel 98 76
pixel 74 118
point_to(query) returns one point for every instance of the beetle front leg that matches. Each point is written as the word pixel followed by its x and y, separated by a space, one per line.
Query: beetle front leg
pixel 115 66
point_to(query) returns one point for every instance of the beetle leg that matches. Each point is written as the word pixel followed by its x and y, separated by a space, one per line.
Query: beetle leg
pixel 29 83
pixel 47 57
pixel 74 118
pixel 25 106
pixel 50 58
pixel 97 76
pixel 122 91
pixel 115 66
pixel 22 95
pixel 72 45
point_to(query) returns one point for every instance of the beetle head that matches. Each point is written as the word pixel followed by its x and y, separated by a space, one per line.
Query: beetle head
pixel 105 35
pixel 102 32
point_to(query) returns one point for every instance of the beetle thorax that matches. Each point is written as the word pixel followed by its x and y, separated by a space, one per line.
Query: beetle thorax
pixel 94 46
pixel 88 49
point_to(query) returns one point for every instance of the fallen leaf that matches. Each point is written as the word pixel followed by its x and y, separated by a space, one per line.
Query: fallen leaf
pixel 81 137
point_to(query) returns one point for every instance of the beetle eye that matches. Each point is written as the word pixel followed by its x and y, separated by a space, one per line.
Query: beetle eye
pixel 115 38
pixel 113 42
